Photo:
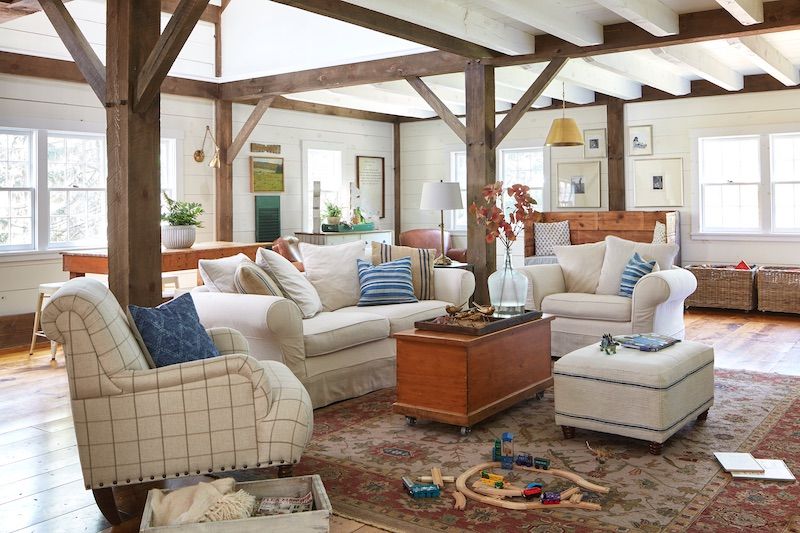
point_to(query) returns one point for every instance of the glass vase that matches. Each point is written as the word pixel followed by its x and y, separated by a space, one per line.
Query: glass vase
pixel 508 289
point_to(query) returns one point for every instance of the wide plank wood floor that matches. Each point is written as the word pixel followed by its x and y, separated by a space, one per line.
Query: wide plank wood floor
pixel 42 488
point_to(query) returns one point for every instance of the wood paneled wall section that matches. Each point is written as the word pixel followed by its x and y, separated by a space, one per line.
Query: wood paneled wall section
pixel 615 121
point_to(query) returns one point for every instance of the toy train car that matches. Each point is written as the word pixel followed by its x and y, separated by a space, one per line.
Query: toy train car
pixel 524 459
pixel 420 490
pixel 531 490
pixel 551 498
pixel 541 463
pixel 485 474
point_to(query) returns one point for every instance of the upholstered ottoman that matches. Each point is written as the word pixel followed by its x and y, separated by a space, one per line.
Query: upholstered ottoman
pixel 644 395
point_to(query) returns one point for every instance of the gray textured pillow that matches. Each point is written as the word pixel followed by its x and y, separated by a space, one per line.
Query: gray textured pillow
pixel 546 235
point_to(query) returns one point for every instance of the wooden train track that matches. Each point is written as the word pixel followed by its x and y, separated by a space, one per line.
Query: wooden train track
pixel 492 496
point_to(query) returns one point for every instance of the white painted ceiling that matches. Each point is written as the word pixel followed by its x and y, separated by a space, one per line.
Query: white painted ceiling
pixel 262 38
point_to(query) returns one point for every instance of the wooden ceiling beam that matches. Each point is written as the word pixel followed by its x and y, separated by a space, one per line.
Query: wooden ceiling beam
pixel 650 15
pixel 377 21
pixel 768 58
pixel 702 64
pixel 79 48
pixel 745 11
pixel 439 107
pixel 642 69
pixel 559 21
pixel 163 56
pixel 251 123
pixel 14 9
pixel 522 106
pixel 210 14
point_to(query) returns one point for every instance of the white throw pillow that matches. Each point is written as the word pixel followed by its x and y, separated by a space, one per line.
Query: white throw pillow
pixel 291 281
pixel 333 272
pixel 660 233
pixel 619 251
pixel 546 235
pixel 581 265
pixel 218 274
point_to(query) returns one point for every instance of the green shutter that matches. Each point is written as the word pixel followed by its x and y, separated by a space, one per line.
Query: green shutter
pixel 268 218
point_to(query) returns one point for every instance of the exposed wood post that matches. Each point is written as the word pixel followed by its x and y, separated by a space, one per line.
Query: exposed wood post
pixel 615 120
pixel 79 48
pixel 247 129
pixel 528 98
pixel 218 49
pixel 439 107
pixel 163 54
pixel 480 168
pixel 134 237
pixel 223 119
pixel 397 183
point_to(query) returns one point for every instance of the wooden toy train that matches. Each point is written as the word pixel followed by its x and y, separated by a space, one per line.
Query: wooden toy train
pixel 421 490
pixel 526 459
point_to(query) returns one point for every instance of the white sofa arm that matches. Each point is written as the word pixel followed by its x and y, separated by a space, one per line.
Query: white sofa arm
pixel 658 298
pixel 453 285
pixel 272 325
pixel 543 280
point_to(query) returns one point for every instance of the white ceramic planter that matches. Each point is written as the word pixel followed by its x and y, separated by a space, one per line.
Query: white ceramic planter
pixel 177 237
pixel 332 220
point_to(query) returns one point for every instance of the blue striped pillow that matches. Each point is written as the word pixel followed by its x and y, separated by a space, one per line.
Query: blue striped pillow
pixel 634 271
pixel 387 283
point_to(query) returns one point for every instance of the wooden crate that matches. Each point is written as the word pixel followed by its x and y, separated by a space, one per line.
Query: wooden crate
pixel 723 287
pixel 778 289
pixel 316 520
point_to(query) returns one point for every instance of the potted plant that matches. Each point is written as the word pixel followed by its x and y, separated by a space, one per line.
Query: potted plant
pixel 333 213
pixel 182 218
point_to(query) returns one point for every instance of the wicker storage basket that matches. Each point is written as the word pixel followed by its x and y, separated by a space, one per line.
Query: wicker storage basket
pixel 778 289
pixel 723 286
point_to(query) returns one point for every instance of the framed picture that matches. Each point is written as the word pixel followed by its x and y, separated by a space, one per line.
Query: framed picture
pixel 371 182
pixel 266 174
pixel 579 184
pixel 640 140
pixel 594 143
pixel 658 182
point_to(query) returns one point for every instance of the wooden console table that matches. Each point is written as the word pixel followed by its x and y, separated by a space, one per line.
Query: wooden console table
pixel 462 379
pixel 81 262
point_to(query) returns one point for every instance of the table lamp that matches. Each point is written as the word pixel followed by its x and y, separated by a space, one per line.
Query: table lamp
pixel 441 195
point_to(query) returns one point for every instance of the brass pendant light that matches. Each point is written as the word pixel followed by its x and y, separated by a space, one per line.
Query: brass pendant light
pixel 564 131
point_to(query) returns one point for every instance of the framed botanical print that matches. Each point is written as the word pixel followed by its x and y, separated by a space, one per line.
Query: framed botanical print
pixel 594 143
pixel 579 184
pixel 658 182
pixel 640 140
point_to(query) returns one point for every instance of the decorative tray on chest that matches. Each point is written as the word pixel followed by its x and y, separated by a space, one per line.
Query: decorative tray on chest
pixel 489 324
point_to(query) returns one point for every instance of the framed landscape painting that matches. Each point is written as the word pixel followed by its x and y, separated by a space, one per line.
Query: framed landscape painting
pixel 579 184
pixel 266 174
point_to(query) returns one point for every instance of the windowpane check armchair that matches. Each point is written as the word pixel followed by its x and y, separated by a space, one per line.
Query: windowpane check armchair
pixel 136 424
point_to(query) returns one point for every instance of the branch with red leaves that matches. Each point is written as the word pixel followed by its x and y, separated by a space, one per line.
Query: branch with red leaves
pixel 500 225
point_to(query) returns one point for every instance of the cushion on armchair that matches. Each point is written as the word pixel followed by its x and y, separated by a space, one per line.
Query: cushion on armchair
pixel 171 333
pixel 581 265
pixel 618 251
pixel 635 270
pixel 549 234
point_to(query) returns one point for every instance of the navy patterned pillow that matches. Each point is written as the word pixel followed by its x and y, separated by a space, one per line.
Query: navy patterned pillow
pixel 171 333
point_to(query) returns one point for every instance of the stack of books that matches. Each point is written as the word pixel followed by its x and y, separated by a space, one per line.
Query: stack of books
pixel 745 466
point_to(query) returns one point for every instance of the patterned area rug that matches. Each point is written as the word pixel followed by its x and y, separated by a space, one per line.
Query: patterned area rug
pixel 361 450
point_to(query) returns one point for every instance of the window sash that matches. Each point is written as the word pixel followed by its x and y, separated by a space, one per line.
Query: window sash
pixel 789 210
pixel 32 220
pixel 705 197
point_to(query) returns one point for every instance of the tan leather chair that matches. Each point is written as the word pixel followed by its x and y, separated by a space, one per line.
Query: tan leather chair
pixel 431 238
pixel 289 247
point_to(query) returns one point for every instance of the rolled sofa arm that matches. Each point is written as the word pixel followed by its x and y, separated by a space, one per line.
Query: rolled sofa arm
pixel 272 325
pixel 228 341
pixel 657 301
pixel 543 280
pixel 453 285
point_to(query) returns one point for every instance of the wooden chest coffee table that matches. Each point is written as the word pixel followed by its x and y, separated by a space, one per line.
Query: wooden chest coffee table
pixel 462 379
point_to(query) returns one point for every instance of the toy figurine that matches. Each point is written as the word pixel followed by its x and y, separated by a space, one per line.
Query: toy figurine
pixel 507 458
pixel 608 344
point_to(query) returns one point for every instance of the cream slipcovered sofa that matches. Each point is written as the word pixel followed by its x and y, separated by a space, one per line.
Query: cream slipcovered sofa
pixel 581 292
pixel 136 424
pixel 337 354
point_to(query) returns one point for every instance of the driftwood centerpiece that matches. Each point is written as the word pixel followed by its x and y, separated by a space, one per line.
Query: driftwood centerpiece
pixel 477 320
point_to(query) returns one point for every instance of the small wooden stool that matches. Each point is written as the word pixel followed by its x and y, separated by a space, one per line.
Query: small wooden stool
pixel 46 290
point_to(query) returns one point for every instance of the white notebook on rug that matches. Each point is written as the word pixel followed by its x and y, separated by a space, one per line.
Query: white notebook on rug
pixel 774 469
pixel 738 462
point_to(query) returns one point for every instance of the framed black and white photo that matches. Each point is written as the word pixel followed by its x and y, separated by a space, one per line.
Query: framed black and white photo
pixel 579 184
pixel 640 140
pixel 594 143
pixel 658 182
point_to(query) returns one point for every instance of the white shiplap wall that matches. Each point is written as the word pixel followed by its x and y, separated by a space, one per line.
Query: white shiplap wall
pixel 35 103
pixel 425 145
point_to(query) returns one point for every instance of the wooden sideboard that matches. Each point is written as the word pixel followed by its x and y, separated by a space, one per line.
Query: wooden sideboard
pixel 328 238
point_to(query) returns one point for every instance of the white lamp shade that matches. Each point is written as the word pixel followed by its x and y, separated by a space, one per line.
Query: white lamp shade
pixel 441 195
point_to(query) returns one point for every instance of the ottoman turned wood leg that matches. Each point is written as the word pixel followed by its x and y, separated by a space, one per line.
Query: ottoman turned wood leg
pixel 569 431
pixel 703 415
pixel 656 447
